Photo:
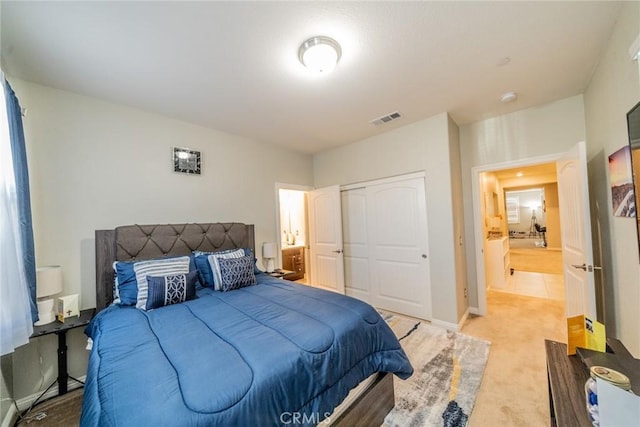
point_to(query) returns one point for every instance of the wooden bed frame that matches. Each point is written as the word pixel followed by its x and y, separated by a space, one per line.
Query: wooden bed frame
pixel 140 242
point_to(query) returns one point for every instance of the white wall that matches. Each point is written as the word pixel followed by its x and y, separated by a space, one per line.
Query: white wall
pixel 96 165
pixel 421 146
pixel 612 92
pixel 538 131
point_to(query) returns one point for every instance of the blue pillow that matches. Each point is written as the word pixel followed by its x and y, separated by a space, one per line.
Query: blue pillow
pixel 168 290
pixel 236 273
pixel 207 265
pixel 132 282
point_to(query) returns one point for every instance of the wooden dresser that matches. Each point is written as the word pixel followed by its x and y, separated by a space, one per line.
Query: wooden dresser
pixel 293 259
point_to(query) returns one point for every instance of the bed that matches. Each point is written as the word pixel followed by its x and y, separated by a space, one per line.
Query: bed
pixel 270 353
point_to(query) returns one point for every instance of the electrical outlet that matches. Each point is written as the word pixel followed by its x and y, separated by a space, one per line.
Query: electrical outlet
pixel 466 292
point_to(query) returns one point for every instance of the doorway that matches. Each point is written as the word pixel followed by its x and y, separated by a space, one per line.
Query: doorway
pixel 292 228
pixel 523 253
pixel 492 212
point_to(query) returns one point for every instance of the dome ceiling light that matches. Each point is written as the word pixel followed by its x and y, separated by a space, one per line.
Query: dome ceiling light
pixel 320 54
pixel 509 97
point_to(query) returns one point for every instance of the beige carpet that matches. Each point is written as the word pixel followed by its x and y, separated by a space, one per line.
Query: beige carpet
pixel 514 388
pixel 538 260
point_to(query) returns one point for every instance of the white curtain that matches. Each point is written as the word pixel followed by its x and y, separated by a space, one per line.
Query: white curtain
pixel 15 314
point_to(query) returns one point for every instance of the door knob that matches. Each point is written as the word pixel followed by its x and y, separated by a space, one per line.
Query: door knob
pixel 338 251
pixel 586 267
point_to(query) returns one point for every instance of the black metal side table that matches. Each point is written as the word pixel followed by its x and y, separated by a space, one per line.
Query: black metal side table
pixel 61 329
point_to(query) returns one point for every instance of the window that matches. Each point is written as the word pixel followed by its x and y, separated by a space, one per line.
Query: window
pixel 513 210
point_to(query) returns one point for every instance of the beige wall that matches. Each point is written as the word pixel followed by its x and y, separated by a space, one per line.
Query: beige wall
pixel 457 209
pixel 422 146
pixel 96 165
pixel 612 92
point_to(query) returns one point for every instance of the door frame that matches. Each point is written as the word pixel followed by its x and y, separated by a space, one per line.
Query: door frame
pixel 481 309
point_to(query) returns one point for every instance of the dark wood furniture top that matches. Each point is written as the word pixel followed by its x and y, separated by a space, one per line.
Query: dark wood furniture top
pixel 279 273
pixel 568 374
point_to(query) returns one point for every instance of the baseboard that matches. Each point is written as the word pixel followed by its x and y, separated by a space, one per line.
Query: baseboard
pixel 457 327
pixel 445 325
pixel 463 319
pixel 474 310
pixel 27 401
pixel 11 417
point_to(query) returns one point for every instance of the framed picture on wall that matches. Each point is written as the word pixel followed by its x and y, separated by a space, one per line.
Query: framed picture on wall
pixel 621 178
pixel 186 161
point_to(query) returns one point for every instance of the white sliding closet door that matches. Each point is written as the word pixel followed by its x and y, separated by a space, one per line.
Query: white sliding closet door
pixel 386 250
pixel 356 244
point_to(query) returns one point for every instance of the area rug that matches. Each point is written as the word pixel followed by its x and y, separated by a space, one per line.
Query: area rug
pixel 448 368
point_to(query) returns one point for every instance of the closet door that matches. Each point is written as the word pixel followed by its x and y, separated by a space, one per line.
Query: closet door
pixel 356 244
pixel 397 233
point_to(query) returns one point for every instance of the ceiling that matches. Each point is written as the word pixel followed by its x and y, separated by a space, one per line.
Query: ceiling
pixel 527 176
pixel 233 66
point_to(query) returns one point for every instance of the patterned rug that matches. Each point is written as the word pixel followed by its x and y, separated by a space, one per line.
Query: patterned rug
pixel 448 368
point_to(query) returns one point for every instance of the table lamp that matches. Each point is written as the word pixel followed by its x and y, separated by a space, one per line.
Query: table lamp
pixel 269 250
pixel 48 283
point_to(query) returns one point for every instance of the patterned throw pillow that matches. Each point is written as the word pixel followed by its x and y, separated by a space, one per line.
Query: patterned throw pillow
pixel 132 276
pixel 207 265
pixel 167 290
pixel 236 273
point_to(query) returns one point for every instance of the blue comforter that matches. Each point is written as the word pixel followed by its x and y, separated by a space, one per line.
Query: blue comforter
pixel 257 356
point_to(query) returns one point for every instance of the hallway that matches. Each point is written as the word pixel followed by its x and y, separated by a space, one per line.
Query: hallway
pixel 519 318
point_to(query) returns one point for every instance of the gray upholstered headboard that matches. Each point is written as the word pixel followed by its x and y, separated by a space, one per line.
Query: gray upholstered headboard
pixel 139 242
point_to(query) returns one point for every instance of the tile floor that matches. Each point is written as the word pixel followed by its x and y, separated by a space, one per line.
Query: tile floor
pixel 540 285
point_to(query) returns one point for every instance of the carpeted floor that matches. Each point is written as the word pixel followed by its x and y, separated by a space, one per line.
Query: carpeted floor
pixel 448 371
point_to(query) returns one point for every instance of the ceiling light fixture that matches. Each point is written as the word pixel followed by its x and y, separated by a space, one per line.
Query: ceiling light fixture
pixel 508 97
pixel 320 54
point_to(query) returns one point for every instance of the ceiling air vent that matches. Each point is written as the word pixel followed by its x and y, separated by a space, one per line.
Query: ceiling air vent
pixel 386 119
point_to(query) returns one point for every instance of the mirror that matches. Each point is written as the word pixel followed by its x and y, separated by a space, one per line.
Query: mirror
pixel 633 125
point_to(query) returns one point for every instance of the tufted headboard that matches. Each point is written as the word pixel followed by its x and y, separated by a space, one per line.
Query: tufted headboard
pixel 140 242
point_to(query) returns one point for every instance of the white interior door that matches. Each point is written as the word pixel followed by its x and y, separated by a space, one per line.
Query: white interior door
pixel 356 244
pixel 325 239
pixel 397 231
pixel 577 253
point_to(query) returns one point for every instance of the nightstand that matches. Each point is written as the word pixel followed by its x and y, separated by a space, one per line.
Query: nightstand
pixel 279 273
pixel 60 329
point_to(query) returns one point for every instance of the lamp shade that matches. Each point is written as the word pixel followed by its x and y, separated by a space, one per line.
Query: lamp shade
pixel 269 250
pixel 48 281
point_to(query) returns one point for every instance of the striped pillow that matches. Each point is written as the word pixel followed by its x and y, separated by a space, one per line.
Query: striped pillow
pixel 215 265
pixel 131 275
pixel 164 267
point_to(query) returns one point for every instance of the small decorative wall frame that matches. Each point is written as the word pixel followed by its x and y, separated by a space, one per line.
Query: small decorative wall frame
pixel 186 161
